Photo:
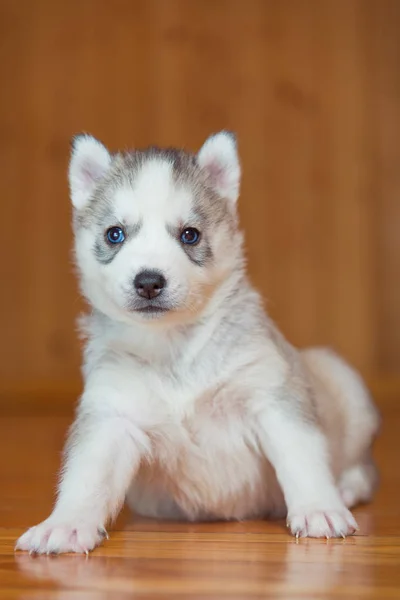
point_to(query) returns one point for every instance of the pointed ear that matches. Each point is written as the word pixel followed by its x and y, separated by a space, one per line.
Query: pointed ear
pixel 89 163
pixel 218 157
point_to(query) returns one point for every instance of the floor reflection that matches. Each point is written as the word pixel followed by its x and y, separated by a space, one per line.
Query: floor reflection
pixel 251 565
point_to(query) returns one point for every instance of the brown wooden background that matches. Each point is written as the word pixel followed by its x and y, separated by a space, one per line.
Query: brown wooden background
pixel 311 86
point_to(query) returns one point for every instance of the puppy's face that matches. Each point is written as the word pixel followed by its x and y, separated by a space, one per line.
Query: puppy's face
pixel 155 230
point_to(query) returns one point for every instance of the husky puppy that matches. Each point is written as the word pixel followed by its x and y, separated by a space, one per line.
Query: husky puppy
pixel 194 406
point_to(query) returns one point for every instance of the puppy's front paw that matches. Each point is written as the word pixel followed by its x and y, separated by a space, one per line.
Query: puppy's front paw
pixel 322 524
pixel 55 536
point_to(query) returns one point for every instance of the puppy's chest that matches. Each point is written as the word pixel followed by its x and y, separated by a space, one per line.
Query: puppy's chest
pixel 198 425
pixel 193 415
pixel 207 457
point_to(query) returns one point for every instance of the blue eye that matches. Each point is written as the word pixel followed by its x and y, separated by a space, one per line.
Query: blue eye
pixel 115 235
pixel 190 235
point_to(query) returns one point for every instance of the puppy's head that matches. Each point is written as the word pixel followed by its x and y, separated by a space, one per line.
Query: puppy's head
pixel 155 230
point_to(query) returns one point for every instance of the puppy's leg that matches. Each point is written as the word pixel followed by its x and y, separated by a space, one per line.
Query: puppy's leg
pixel 102 456
pixel 298 451
pixel 341 390
pixel 358 483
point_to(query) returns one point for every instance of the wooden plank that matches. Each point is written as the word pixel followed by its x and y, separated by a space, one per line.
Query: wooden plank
pixel 311 88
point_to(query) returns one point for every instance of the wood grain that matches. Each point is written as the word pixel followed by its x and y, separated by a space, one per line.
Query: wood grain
pixel 156 560
pixel 311 87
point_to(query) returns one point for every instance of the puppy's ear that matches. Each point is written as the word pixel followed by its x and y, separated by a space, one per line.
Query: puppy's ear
pixel 219 158
pixel 90 161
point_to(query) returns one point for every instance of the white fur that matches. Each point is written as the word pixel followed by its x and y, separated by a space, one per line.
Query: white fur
pixel 219 158
pixel 89 163
pixel 207 412
pixel 153 196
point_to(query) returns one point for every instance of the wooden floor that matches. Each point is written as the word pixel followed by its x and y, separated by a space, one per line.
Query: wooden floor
pixel 148 559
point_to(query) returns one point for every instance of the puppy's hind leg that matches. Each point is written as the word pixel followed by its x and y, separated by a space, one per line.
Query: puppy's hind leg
pixel 343 392
pixel 358 483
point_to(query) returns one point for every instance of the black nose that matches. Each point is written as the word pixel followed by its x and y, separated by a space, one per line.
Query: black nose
pixel 149 284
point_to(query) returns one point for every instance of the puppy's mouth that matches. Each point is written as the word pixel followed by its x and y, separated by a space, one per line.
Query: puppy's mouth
pixel 151 309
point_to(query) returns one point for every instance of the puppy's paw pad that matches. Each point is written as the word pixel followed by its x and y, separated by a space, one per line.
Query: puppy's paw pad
pixel 323 524
pixel 55 537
